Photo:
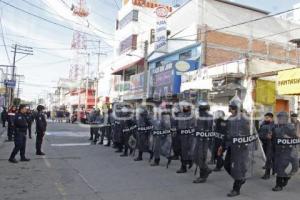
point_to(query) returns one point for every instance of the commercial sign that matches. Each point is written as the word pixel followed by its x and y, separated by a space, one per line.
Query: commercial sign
pixel 161 28
pixel 10 83
pixel 148 4
pixel 166 80
pixel 288 82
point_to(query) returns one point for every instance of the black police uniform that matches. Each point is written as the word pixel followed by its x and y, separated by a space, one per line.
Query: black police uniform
pixel 29 117
pixel 21 126
pixel 264 130
pixel 220 134
pixel 41 126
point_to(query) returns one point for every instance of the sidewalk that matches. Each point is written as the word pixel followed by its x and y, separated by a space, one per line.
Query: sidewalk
pixel 2 135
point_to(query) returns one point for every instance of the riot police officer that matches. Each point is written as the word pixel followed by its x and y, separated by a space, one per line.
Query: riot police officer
pixel 203 139
pixel 285 151
pixel 144 128
pixel 239 142
pixel 161 135
pixel 185 128
pixel 128 126
pixel 30 119
pixel 265 135
pixel 41 126
pixel 21 126
pixel 220 134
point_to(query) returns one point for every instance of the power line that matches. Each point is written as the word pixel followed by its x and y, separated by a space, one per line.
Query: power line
pixel 52 22
pixel 3 39
pixel 242 23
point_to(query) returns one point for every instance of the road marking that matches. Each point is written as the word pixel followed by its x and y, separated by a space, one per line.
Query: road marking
pixel 68 134
pixel 70 144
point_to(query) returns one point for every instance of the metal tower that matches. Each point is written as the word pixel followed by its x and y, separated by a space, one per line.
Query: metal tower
pixel 79 41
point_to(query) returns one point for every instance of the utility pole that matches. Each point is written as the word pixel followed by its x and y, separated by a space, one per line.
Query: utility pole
pixel 16 49
pixel 87 83
pixel 146 44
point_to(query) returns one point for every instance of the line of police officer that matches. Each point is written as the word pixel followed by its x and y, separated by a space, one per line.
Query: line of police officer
pixel 18 127
pixel 195 136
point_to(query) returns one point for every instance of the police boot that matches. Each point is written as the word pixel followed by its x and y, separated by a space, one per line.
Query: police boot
pixel 278 186
pixel 156 162
pixel 199 180
pixel 107 144
pixel 267 174
pixel 182 169
pixel 236 188
pixel 285 181
pixel 125 154
pixel 140 156
pixel 190 164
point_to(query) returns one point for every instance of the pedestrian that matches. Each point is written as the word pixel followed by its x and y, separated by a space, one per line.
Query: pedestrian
pixel 185 128
pixel 30 119
pixel 265 135
pixel 203 139
pixel 220 134
pixel 41 126
pixel 20 124
pixel 239 142
pixel 285 151
pixel 4 117
pixel 10 119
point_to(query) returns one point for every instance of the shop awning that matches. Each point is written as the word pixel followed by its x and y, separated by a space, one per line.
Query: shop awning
pixel 120 69
pixel 288 82
pixel 205 84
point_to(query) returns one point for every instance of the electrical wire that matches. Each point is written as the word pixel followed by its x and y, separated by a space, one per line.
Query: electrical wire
pixel 3 39
pixel 52 22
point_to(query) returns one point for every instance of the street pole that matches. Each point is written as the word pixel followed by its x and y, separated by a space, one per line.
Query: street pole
pixel 98 71
pixel 87 83
pixel 146 45
pixel 13 75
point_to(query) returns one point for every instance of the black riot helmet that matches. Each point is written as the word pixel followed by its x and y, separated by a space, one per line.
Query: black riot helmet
pixel 184 106
pixel 40 108
pixel 203 105
pixel 235 103
pixel 283 118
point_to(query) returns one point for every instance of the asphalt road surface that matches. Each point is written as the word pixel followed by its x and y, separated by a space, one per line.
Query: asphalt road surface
pixel 73 169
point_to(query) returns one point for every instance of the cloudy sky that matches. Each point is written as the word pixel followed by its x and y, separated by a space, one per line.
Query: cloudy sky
pixel 51 42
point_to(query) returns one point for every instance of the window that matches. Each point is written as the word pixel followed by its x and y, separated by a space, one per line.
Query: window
pixel 132 16
pixel 152 36
pixel 185 55
pixel 129 43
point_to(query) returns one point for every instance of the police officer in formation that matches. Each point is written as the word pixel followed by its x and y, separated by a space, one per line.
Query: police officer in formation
pixel 190 135
pixel 161 135
pixel 238 145
pixel 30 119
pixel 10 122
pixel 203 139
pixel 286 152
pixel 20 132
pixel 144 128
pixel 220 134
pixel 185 129
pixel 41 126
pixel 265 136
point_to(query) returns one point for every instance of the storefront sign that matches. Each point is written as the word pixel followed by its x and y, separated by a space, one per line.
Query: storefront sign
pixel 148 4
pixel 161 28
pixel 167 79
pixel 288 82
pixel 137 82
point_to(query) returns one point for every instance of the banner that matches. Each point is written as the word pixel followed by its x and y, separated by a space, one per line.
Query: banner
pixel 265 92
pixel 161 28
pixel 288 82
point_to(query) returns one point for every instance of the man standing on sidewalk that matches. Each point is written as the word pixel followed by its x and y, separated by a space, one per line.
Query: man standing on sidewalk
pixel 21 126
pixel 41 125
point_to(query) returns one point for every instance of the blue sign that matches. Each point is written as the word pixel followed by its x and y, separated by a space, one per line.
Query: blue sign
pixel 10 83
pixel 167 78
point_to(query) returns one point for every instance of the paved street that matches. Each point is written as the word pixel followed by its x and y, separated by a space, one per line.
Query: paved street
pixel 73 169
